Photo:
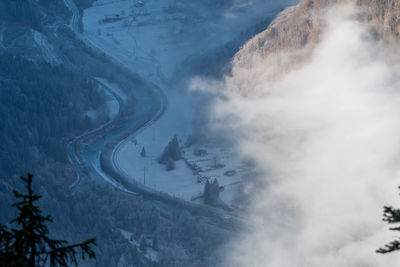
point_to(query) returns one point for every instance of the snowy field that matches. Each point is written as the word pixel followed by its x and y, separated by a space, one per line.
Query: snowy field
pixel 199 164
pixel 153 38
pixel 150 253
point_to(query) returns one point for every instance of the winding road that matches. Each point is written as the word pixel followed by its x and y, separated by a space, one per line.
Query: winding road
pixel 94 154
pixel 75 144
pixel 152 106
pixel 74 23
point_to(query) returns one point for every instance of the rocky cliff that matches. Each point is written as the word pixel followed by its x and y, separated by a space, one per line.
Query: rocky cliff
pixel 300 27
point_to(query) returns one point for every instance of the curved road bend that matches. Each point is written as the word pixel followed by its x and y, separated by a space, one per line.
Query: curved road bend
pixel 151 103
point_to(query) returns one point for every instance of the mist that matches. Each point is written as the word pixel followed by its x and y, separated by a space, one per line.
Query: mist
pixel 326 140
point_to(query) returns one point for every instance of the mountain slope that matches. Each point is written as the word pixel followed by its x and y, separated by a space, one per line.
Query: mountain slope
pixel 301 26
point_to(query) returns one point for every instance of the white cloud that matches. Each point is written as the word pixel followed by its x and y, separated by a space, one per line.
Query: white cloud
pixel 326 138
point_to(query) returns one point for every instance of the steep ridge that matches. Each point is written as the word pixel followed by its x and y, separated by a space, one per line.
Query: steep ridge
pixel 300 27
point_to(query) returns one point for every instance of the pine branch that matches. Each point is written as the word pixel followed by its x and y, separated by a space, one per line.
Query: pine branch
pixel 30 245
pixel 392 246
pixel 60 255
pixel 391 215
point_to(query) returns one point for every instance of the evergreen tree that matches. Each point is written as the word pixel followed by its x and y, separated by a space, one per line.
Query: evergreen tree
pixel 171 152
pixel 206 193
pixel 143 153
pixel 211 193
pixel 29 244
pixel 392 216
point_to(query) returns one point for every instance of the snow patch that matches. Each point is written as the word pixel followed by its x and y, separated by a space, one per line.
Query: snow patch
pixel 46 48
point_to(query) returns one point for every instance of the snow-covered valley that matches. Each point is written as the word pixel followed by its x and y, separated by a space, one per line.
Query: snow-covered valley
pixel 153 39
pixel 108 86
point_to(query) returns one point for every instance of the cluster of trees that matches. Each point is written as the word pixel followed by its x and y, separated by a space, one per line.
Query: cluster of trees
pixel 171 153
pixel 41 107
pixel 211 193
pixel 20 11
pixel 182 239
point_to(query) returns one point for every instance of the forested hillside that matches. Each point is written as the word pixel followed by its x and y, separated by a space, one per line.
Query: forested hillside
pixel 41 107
pixel 20 12
pixel 46 91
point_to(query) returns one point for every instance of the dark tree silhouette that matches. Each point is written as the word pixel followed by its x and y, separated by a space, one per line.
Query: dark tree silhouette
pixel 143 153
pixel 171 152
pixel 29 244
pixel 392 216
pixel 211 193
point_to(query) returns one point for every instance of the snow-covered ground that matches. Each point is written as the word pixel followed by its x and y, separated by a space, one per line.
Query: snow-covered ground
pixel 150 254
pixel 187 180
pixel 218 162
pixel 45 47
pixel 153 39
